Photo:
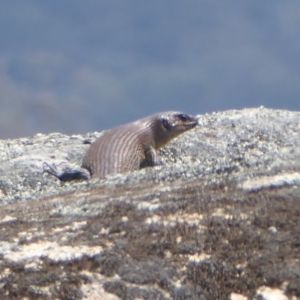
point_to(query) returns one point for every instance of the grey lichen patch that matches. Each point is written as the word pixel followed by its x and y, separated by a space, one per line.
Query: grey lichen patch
pixel 276 181
pixel 8 219
pixel 52 251
pixel 149 205
pixel 173 220
pixel 92 288
pixel 265 292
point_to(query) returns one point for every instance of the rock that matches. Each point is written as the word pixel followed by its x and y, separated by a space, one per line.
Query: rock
pixel 219 219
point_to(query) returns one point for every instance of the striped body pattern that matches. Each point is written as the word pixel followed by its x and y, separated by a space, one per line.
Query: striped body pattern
pixel 129 147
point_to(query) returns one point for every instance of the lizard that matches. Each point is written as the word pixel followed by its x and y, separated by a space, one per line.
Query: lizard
pixel 134 145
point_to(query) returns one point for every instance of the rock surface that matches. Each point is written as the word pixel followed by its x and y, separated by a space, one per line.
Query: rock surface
pixel 219 220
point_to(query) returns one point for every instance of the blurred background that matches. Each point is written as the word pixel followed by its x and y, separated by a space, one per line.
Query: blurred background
pixel 75 66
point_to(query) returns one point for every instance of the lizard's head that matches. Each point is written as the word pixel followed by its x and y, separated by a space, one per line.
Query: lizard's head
pixel 172 124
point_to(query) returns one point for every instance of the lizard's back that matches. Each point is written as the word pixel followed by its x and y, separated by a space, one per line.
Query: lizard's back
pixel 118 150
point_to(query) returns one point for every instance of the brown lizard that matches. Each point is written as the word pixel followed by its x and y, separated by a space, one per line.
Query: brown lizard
pixel 134 145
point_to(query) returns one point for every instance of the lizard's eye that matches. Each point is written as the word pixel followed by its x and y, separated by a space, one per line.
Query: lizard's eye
pixel 166 124
pixel 183 117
